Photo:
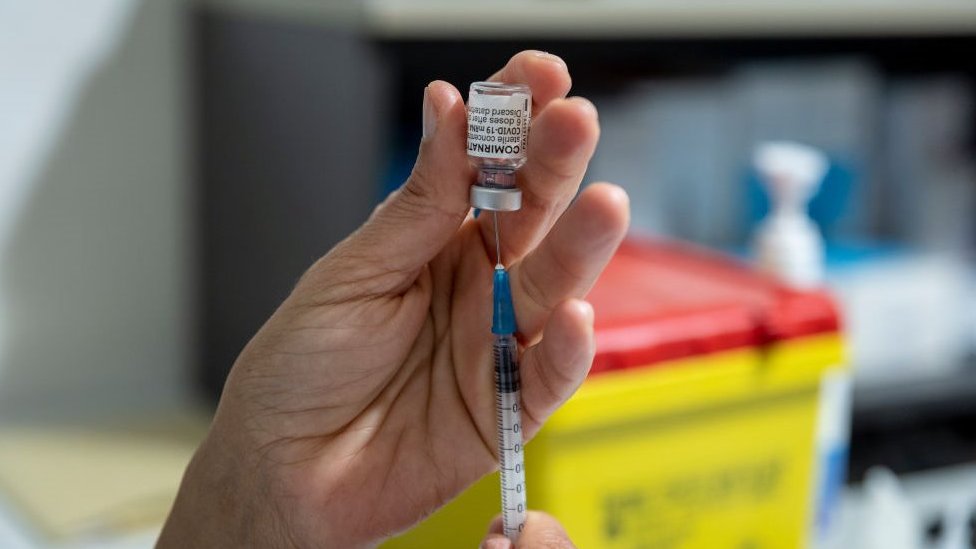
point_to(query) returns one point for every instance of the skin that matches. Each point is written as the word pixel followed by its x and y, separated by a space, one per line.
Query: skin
pixel 367 400
pixel 541 532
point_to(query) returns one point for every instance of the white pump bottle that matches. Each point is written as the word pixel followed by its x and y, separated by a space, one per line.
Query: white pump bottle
pixel 788 244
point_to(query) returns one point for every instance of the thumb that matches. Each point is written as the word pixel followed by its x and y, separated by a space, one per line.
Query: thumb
pixel 416 221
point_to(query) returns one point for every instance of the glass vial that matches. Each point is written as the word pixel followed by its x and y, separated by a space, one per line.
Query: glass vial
pixel 498 132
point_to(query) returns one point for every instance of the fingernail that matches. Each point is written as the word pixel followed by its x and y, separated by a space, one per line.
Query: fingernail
pixel 587 311
pixel 430 115
pixel 549 57
pixel 586 104
pixel 497 543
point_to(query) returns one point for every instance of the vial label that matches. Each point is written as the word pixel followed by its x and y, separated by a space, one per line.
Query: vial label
pixel 498 125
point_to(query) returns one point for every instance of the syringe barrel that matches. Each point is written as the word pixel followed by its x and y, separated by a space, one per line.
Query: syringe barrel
pixel 506 364
pixel 510 445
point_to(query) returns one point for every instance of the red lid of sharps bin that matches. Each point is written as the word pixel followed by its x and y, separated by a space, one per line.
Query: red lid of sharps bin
pixel 659 301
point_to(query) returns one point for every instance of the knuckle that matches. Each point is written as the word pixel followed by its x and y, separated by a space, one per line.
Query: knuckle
pixel 416 194
pixel 561 169
pixel 549 383
pixel 535 290
pixel 420 197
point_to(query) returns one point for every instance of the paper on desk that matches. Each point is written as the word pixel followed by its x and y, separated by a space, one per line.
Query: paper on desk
pixel 78 482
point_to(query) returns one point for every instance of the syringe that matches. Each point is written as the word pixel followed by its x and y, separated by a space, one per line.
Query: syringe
pixel 496 190
pixel 508 403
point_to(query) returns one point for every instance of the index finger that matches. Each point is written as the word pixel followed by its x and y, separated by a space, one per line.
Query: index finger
pixel 544 72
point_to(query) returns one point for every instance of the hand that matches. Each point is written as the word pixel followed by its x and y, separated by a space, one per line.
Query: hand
pixel 367 399
pixel 541 532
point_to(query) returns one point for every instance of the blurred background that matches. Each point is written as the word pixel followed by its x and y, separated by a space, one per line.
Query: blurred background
pixel 168 169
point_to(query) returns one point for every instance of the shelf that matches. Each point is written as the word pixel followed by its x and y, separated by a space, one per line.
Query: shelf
pixel 624 19
pixel 943 394
pixel 915 424
pixel 344 14
pixel 431 19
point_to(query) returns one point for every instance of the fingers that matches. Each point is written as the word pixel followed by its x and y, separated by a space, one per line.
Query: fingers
pixel 560 146
pixel 541 531
pixel 568 261
pixel 417 220
pixel 545 73
pixel 553 369
pixel 559 150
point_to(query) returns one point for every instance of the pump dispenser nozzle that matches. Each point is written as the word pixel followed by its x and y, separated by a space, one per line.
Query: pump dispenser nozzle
pixel 788 243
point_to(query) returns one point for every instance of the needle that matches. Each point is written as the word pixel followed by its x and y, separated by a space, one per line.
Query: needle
pixel 498 245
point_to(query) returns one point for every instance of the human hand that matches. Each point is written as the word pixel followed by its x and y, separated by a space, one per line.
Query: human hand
pixel 541 531
pixel 367 399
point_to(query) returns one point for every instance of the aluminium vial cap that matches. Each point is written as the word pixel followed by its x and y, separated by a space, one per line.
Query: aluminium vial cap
pixel 496 191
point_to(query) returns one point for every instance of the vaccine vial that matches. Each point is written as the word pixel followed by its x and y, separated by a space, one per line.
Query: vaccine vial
pixel 498 132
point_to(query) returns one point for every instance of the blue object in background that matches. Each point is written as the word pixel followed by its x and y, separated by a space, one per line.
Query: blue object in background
pixel 831 486
pixel 400 163
pixel 833 203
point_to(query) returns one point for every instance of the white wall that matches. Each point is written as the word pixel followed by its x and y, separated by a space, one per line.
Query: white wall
pixel 95 254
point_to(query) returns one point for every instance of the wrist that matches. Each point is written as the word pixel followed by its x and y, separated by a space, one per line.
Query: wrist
pixel 220 503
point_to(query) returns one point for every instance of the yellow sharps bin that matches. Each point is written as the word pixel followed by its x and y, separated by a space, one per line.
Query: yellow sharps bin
pixel 696 425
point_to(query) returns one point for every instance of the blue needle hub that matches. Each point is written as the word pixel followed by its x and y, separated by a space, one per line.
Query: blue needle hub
pixel 503 319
